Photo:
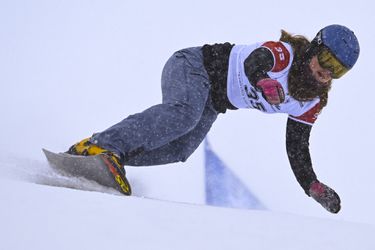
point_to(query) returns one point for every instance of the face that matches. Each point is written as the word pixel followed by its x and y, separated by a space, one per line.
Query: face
pixel 320 74
pixel 308 80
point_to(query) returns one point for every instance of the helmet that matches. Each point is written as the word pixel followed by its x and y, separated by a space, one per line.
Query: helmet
pixel 340 42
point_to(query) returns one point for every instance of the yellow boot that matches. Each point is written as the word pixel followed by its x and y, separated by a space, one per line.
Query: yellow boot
pixel 86 148
pixel 111 160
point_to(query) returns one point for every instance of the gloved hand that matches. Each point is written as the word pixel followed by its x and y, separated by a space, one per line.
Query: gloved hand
pixel 326 196
pixel 272 91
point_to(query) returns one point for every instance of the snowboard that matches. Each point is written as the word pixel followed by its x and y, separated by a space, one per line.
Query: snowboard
pixel 98 168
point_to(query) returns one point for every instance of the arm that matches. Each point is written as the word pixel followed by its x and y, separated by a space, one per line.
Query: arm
pixel 297 144
pixel 257 64
pixel 270 57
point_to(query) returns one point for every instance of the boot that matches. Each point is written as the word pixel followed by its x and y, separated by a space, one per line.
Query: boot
pixel 111 160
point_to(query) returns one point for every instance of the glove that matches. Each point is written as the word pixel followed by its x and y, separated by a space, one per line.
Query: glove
pixel 272 91
pixel 326 196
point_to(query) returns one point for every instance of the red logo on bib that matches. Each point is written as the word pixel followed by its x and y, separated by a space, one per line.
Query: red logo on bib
pixel 280 53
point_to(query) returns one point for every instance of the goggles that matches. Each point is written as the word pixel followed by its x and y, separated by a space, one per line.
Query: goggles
pixel 330 62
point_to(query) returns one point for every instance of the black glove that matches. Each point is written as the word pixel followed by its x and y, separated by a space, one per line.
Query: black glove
pixel 326 196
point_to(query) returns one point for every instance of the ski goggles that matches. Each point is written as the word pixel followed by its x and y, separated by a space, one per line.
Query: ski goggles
pixel 330 62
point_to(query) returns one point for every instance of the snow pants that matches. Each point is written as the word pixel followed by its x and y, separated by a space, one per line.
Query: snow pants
pixel 171 131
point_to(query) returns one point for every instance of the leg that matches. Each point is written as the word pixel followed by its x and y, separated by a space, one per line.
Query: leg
pixel 179 149
pixel 185 90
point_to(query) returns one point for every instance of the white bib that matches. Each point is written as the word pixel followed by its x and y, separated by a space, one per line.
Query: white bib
pixel 242 94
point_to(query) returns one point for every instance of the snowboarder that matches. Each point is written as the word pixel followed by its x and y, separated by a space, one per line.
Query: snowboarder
pixel 292 76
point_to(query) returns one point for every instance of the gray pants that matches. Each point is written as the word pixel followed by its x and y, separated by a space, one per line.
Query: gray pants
pixel 171 131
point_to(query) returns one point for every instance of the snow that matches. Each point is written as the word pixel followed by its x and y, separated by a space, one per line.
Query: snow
pixel 70 68
pixel 59 218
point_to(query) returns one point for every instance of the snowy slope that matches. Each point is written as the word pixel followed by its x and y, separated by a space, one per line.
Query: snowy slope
pixel 70 68
pixel 41 217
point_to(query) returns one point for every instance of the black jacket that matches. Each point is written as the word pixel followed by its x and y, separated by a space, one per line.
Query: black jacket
pixel 259 62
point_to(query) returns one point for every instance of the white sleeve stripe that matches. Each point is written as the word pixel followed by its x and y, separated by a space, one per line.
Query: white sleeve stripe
pixel 301 121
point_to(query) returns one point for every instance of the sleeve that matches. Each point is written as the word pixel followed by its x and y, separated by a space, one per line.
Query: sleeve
pixel 280 54
pixel 257 64
pixel 297 146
